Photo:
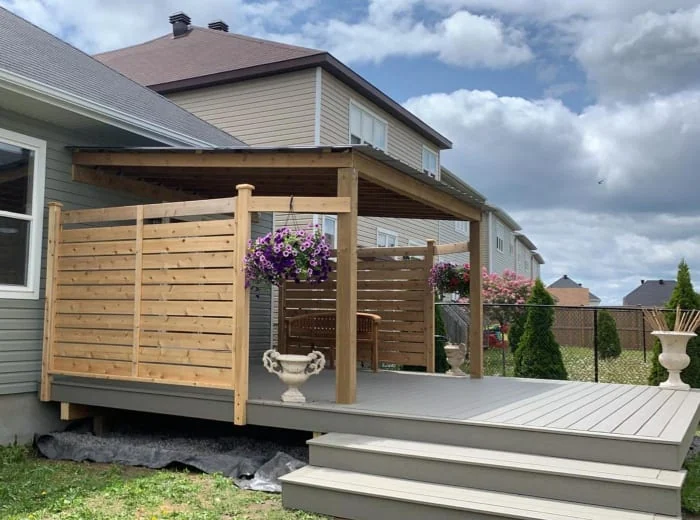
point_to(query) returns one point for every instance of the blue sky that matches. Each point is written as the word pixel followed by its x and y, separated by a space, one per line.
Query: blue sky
pixel 581 118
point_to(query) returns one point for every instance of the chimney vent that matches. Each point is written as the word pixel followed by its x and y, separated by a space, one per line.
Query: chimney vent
pixel 218 25
pixel 565 277
pixel 643 282
pixel 661 282
pixel 181 23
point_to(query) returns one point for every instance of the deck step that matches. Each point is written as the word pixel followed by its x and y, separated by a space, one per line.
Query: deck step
pixel 595 483
pixel 357 496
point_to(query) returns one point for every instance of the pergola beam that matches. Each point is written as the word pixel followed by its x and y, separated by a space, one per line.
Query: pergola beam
pixel 476 310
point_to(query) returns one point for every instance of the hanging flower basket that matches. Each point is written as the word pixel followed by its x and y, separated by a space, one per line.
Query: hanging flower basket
pixel 287 254
pixel 447 278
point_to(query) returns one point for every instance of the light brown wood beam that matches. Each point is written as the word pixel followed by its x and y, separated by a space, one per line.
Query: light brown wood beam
pixel 476 310
pixel 73 412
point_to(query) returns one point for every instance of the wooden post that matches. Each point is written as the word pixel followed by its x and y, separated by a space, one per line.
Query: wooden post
pixel 346 292
pixel 476 310
pixel 54 232
pixel 429 310
pixel 138 279
pixel 241 332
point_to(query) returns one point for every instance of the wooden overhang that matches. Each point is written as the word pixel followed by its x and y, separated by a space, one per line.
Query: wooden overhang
pixel 386 187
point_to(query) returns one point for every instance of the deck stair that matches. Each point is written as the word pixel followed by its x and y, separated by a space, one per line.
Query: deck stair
pixel 360 477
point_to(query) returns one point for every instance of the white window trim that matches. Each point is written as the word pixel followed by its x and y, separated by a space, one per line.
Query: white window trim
pixel 387 232
pixel 374 115
pixel 502 236
pixel 31 291
pixel 323 228
pixel 437 161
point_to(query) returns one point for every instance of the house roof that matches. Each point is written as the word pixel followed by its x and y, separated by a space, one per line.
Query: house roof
pixel 525 240
pixel 650 293
pixel 205 57
pixel 451 179
pixel 538 258
pixel 567 283
pixel 45 67
pixel 505 217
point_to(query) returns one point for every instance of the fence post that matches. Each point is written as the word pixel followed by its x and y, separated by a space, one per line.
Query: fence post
pixel 138 281
pixel 595 344
pixel 54 237
pixel 429 310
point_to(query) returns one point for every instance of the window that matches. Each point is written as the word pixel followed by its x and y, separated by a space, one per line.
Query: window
pixel 500 232
pixel 22 163
pixel 366 128
pixel 430 162
pixel 461 226
pixel 386 238
pixel 329 226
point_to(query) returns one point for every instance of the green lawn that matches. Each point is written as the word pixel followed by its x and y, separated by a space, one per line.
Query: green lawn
pixel 629 368
pixel 39 489
pixel 691 486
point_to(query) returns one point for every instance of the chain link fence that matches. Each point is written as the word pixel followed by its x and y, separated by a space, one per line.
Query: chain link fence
pixel 576 329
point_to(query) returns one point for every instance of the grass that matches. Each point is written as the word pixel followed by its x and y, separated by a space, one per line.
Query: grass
pixel 691 487
pixel 629 368
pixel 38 489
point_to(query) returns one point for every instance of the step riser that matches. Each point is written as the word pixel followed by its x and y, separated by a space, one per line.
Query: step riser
pixel 360 507
pixel 508 480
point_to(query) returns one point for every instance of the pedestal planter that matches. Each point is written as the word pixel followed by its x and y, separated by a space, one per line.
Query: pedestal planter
pixel 455 357
pixel 293 370
pixel 673 357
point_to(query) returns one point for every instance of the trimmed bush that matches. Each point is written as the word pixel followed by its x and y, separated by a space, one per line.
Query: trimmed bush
pixel 516 329
pixel 608 338
pixel 684 295
pixel 538 355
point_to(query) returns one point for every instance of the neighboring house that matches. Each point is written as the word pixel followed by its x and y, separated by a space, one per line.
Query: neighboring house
pixel 51 96
pixel 650 293
pixel 568 292
pixel 270 93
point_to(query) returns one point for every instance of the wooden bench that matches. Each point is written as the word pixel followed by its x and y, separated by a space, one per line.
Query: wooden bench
pixel 316 331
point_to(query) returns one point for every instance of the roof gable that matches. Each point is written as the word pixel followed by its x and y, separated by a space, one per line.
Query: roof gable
pixel 36 58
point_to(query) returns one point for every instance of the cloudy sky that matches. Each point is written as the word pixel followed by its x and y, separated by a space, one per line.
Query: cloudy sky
pixel 579 117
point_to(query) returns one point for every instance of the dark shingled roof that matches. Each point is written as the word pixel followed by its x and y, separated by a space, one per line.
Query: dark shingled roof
pixel 37 56
pixel 567 283
pixel 650 293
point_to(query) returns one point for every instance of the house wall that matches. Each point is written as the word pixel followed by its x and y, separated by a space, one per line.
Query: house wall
pixel 277 110
pixel 448 234
pixel 21 321
pixel 500 261
pixel 523 261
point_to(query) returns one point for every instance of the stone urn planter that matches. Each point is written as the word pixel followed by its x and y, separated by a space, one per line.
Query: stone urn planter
pixel 673 356
pixel 293 370
pixel 455 357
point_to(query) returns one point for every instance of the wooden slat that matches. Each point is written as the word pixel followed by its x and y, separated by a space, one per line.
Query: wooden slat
pixel 448 249
pixel 186 339
pixel 362 285
pixel 189 229
pixel 188 244
pixel 187 276
pixel 138 278
pixel 381 295
pixel 188 308
pixel 211 292
pixel 98 337
pixel 681 422
pixel 364 305
pixel 301 204
pixel 121 213
pixel 97 277
pixel 95 321
pixel 186 357
pixel 188 260
pixel 106 247
pixel 186 324
pixel 634 423
pixel 388 275
pixel 197 376
pixel 82 350
pixel 95 234
pixel 96 263
pixel 118 377
pixel 91 366
pixel 54 237
pixel 616 418
pixel 95 307
pixel 402 358
pixel 662 418
pixel 95 292
pixel 190 208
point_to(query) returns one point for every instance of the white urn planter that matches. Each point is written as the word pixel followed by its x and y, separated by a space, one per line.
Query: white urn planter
pixel 673 356
pixel 293 370
pixel 455 357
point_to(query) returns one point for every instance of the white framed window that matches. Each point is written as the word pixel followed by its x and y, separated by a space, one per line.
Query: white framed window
pixel 387 238
pixel 500 238
pixel 461 227
pixel 367 128
pixel 430 162
pixel 329 228
pixel 22 172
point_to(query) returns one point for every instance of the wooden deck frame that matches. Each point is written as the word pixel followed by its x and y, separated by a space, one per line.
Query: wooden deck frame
pixel 352 168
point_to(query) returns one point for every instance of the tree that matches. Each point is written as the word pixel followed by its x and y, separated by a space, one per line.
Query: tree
pixel 539 355
pixel 608 338
pixel 517 327
pixel 683 295
pixel 509 289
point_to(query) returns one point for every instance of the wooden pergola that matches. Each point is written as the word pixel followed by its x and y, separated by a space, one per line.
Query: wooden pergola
pixel 370 182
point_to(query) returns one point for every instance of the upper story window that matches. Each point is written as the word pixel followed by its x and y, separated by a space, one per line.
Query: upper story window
pixel 430 162
pixel 387 238
pixel 329 226
pixel 367 128
pixel 500 237
pixel 461 227
pixel 22 171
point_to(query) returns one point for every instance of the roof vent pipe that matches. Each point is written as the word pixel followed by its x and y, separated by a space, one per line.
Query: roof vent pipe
pixel 181 23
pixel 218 25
